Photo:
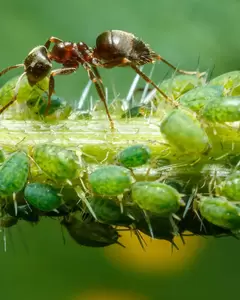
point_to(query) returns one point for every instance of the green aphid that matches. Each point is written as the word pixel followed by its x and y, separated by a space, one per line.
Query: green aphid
pixel 108 211
pixel 221 212
pixel 25 91
pixel 156 197
pixel 56 161
pixel 39 104
pixel 110 180
pixel 229 81
pixel 42 196
pixel 180 84
pixel 231 187
pixel 134 156
pixel 183 130
pixel 91 233
pixel 14 173
pixel 222 109
pixel 137 111
pixel 197 98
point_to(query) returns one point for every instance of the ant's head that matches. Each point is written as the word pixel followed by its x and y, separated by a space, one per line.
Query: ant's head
pixel 37 64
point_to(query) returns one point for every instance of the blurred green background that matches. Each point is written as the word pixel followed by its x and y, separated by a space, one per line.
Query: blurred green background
pixel 188 33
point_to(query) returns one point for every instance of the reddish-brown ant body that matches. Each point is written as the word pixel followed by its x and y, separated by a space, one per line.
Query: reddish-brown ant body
pixel 114 48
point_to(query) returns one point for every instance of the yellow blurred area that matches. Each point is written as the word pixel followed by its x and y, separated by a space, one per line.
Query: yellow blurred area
pixel 159 256
pixel 100 294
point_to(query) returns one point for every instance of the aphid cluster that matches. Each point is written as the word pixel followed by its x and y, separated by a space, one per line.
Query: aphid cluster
pixel 159 193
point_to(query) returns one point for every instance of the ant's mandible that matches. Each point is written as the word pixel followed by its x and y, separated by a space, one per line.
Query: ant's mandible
pixel 114 48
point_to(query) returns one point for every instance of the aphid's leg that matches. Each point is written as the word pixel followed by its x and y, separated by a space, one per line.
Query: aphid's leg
pixel 100 90
pixel 158 57
pixel 15 204
pixel 148 221
pixel 11 68
pixel 15 93
pixel 190 200
pixel 63 71
pixel 53 40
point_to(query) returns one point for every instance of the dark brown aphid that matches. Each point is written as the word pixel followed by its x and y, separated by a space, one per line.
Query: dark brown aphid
pixel 91 233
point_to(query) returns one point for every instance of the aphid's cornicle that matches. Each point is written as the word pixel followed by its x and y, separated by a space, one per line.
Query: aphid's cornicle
pixel 114 48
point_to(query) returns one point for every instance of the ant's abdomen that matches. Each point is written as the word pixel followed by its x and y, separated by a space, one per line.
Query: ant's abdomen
pixel 114 44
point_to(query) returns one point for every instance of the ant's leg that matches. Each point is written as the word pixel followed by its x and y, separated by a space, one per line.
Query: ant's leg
pixel 15 93
pixel 11 68
pixel 96 72
pixel 63 71
pixel 53 40
pixel 96 79
pixel 158 57
pixel 147 79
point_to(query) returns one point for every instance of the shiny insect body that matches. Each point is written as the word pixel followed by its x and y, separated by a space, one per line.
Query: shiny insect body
pixel 114 48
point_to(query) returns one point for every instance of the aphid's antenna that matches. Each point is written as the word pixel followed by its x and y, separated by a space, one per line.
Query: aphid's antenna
pixel 190 200
pixel 147 85
pixel 147 219
pixel 84 95
pixel 133 86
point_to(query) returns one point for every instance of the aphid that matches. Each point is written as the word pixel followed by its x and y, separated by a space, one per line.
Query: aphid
pixel 42 196
pixel 230 187
pixel 58 106
pixel 14 174
pixel 108 211
pixel 137 111
pixel 134 156
pixel 90 233
pixel 110 180
pixel 181 84
pixel 222 109
pixel 156 197
pixel 197 98
pixel 183 130
pixel 200 227
pixel 229 81
pixel 221 212
pixel 56 161
pixel 25 90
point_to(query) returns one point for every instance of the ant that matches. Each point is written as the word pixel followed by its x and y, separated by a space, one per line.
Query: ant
pixel 114 48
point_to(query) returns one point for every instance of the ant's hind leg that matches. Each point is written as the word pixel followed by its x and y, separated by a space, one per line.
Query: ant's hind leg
pixel 147 79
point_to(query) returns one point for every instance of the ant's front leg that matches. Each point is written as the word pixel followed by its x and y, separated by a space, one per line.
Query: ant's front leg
pixel 62 71
pixel 53 40
pixel 11 68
